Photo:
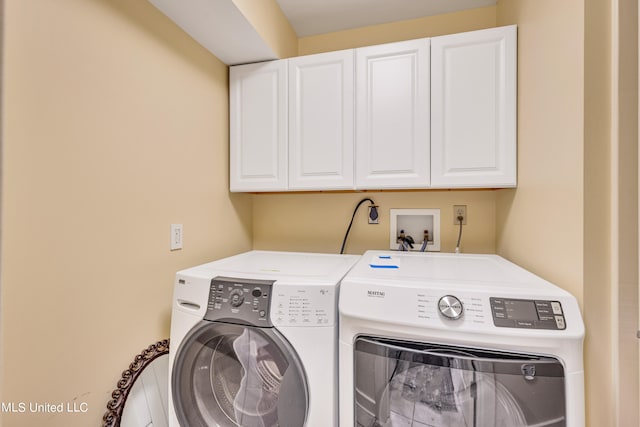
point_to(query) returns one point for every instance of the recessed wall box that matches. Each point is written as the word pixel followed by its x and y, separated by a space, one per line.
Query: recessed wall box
pixel 415 230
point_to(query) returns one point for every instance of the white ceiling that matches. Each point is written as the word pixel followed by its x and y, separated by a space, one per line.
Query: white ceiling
pixel 311 17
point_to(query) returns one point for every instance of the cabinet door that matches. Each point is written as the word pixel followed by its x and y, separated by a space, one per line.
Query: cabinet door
pixel 321 121
pixel 473 107
pixel 258 127
pixel 392 115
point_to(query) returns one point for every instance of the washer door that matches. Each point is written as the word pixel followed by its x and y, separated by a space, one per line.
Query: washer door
pixel 227 375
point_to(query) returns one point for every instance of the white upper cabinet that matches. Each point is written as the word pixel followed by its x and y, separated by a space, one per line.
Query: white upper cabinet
pixel 258 127
pixel 427 113
pixel 392 123
pixel 321 124
pixel 473 107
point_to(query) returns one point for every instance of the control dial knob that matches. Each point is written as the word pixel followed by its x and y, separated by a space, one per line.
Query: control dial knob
pixel 236 297
pixel 450 307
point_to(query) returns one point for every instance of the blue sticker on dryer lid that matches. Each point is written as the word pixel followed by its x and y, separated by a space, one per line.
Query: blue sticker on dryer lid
pixel 382 261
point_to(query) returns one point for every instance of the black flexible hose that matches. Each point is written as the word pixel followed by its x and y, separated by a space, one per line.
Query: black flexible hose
pixel 344 241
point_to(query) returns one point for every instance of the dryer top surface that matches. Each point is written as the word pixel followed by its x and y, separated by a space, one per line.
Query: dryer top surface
pixel 473 272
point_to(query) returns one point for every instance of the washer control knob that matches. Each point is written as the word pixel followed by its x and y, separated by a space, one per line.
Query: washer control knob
pixel 236 297
pixel 450 307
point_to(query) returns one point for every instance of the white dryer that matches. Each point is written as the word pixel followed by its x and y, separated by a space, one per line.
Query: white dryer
pixel 434 339
pixel 254 341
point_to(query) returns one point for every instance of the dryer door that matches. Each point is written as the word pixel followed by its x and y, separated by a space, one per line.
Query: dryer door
pixel 400 383
pixel 227 375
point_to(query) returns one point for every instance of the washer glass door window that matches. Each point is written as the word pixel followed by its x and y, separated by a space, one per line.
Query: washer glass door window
pixel 399 383
pixel 230 375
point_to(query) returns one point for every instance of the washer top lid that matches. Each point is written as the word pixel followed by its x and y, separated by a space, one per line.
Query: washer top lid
pixel 467 271
pixel 279 265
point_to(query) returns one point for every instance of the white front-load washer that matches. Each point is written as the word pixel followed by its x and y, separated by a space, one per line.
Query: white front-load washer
pixel 254 341
pixel 435 339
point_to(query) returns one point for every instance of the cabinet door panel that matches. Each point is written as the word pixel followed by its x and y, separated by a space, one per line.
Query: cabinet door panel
pixel 392 136
pixel 321 121
pixel 258 127
pixel 473 106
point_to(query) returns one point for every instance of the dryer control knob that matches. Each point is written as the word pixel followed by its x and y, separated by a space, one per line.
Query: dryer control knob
pixel 450 307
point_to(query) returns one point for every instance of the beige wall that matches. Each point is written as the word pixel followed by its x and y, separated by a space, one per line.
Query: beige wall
pixel 550 142
pixel 116 126
pixel 318 221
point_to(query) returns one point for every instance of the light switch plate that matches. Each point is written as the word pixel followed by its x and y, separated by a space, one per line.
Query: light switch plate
pixel 176 237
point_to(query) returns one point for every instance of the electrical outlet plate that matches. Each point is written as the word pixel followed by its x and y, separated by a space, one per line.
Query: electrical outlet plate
pixel 459 210
pixel 414 222
pixel 375 220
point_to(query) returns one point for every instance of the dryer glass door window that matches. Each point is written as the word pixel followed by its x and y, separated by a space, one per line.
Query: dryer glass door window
pixel 420 385
pixel 228 375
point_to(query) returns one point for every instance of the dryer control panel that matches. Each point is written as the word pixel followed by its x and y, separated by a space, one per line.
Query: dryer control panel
pixel 240 301
pixel 524 313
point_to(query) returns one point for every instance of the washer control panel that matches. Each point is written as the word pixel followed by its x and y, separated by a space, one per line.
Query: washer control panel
pixel 524 313
pixel 242 301
pixel 295 305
